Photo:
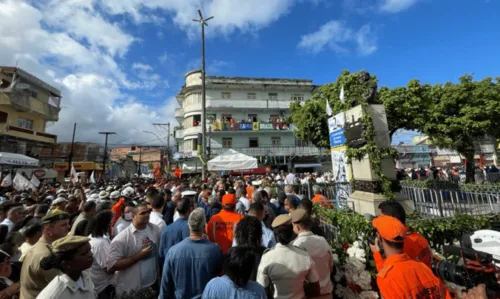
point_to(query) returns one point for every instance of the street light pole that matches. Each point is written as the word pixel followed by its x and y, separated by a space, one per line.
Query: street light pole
pixel 203 23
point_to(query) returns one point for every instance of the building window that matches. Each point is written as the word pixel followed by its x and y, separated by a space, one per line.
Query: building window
pixel 298 97
pixel 301 143
pixel 25 123
pixel 273 96
pixel 3 117
pixel 34 94
pixel 276 141
pixel 196 120
pixel 252 117
pixel 227 142
pixel 226 95
pixel 251 96
pixel 253 142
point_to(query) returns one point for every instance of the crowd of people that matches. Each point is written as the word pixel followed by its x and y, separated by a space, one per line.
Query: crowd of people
pixel 228 237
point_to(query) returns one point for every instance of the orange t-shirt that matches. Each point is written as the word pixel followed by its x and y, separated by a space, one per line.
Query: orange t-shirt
pixel 220 228
pixel 403 277
pixel 416 247
pixel 117 210
pixel 323 201
pixel 249 191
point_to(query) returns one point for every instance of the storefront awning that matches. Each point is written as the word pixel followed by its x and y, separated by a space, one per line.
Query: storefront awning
pixel 311 165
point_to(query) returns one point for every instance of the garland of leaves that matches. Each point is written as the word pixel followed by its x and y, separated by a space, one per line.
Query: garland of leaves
pixel 374 152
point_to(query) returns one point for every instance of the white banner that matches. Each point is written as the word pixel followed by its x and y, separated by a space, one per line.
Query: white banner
pixel 21 183
pixel 35 181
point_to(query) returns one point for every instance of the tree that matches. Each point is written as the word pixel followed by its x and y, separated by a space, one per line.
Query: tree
pixel 463 114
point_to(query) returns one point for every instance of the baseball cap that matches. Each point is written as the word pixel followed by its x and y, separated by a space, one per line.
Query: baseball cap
pixel 280 220
pixel 390 228
pixel 298 215
pixel 229 199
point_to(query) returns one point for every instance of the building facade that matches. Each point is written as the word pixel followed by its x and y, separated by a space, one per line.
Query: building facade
pixel 246 114
pixel 27 104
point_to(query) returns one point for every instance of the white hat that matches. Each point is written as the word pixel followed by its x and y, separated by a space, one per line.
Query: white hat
pixel 128 192
pixel 114 194
pixel 94 197
pixel 60 191
pixel 128 185
pixel 87 191
pixel 257 183
pixel 59 200
pixel 188 193
pixel 103 194
pixel 110 188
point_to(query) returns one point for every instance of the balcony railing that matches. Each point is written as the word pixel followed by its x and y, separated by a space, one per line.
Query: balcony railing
pixel 30 134
pixel 219 126
pixel 192 130
pixel 274 151
pixel 179 113
pixel 31 105
pixel 179 134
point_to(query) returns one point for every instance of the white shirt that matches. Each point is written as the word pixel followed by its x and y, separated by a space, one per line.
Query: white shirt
pixel 290 179
pixel 242 206
pixel 321 254
pixel 63 287
pixel 100 247
pixel 157 219
pixel 120 225
pixel 9 223
pixel 176 215
pixel 129 242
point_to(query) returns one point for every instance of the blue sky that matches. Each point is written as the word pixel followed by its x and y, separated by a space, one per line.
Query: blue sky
pixel 119 63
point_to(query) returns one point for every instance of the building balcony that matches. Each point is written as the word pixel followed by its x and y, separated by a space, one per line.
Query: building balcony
pixel 244 103
pixel 241 127
pixel 179 114
pixel 192 131
pixel 292 151
pixel 179 134
pixel 28 134
pixel 29 104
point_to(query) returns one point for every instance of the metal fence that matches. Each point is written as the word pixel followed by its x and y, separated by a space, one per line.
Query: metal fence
pixel 437 202
pixel 336 193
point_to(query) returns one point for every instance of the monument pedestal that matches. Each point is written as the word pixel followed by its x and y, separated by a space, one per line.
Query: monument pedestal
pixel 367 202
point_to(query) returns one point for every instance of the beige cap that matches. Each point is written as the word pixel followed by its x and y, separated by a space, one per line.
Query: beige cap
pixel 280 220
pixel 298 215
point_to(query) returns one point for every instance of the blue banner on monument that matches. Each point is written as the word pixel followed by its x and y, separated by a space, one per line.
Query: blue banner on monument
pixel 337 138
pixel 336 130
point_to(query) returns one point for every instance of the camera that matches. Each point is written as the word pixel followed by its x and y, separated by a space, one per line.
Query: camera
pixel 478 269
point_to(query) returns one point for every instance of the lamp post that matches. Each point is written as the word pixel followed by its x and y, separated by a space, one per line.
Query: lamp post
pixel 168 147
pixel 203 23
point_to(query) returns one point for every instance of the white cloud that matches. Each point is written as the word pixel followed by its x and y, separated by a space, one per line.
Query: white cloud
pixel 396 5
pixel 79 51
pixel 141 67
pixel 336 36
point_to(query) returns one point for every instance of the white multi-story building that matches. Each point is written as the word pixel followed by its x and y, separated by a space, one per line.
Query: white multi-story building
pixel 247 115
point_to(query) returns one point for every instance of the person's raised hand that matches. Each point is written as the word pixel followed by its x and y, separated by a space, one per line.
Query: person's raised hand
pixel 146 250
pixel 478 292
pixel 375 247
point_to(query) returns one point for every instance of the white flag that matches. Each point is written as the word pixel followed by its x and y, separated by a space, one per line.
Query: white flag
pixel 328 109
pixel 92 178
pixel 73 176
pixel 7 181
pixel 35 181
pixel 21 183
pixel 342 95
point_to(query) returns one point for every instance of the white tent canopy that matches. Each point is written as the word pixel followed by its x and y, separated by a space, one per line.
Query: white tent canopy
pixel 232 160
pixel 17 160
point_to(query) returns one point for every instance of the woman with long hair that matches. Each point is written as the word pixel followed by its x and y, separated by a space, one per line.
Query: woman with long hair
pixel 71 255
pixel 248 234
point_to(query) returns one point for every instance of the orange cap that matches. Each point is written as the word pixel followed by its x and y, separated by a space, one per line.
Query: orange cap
pixel 390 228
pixel 229 199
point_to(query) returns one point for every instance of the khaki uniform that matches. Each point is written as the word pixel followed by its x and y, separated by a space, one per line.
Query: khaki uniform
pixel 33 278
pixel 63 287
pixel 287 267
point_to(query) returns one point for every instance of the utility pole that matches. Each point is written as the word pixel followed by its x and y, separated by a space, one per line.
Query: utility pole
pixel 168 141
pixel 71 151
pixel 140 162
pixel 203 23
pixel 105 152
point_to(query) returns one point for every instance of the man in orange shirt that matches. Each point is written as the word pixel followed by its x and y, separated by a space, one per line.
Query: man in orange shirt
pixel 415 245
pixel 319 198
pixel 402 277
pixel 220 227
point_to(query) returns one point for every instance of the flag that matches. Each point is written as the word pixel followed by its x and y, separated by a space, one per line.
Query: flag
pixel 7 181
pixel 328 108
pixel 157 172
pixel 21 183
pixel 92 178
pixel 342 95
pixel 73 177
pixel 35 181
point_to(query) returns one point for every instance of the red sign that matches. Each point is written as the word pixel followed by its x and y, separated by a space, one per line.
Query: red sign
pixel 39 173
pixel 258 170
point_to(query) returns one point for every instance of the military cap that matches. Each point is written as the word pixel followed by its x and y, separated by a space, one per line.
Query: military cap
pixel 53 216
pixel 298 215
pixel 280 220
pixel 68 243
